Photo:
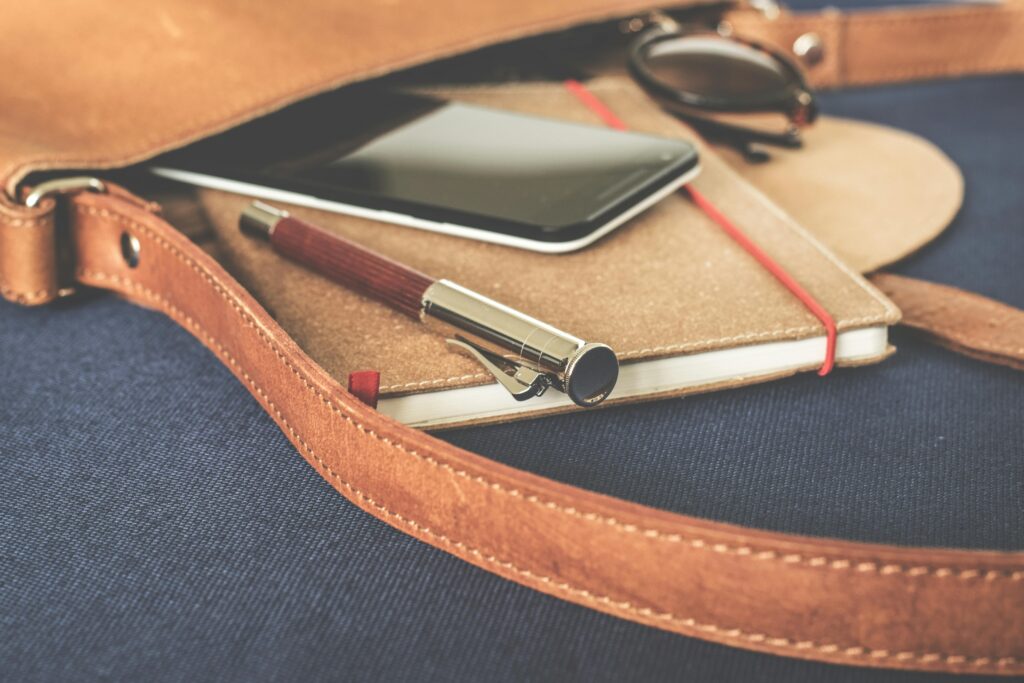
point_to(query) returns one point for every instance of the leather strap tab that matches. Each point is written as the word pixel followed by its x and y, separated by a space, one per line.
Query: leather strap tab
pixel 900 44
pixel 870 605
pixel 365 385
pixel 967 323
pixel 28 253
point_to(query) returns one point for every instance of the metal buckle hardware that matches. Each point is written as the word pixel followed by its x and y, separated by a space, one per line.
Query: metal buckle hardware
pixel 60 186
pixel 62 244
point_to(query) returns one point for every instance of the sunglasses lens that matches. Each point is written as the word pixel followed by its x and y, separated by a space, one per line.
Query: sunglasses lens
pixel 711 66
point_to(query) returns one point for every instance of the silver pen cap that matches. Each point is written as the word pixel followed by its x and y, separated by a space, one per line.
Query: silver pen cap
pixel 525 354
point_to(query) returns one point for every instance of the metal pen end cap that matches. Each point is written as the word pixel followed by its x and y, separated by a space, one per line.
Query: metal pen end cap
pixel 259 219
pixel 591 374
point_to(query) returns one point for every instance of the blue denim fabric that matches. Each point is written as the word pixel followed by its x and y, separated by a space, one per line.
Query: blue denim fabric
pixel 855 5
pixel 155 524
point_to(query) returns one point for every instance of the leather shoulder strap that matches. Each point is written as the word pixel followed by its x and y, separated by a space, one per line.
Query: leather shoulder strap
pixel 965 322
pixel 894 44
pixel 28 253
pixel 872 605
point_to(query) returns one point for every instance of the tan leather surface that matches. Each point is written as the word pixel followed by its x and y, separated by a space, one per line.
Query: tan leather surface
pixel 965 322
pixel 140 92
pixel 900 43
pixel 850 603
pixel 871 193
pixel 668 282
pixel 810 598
pixel 28 259
pixel 77 92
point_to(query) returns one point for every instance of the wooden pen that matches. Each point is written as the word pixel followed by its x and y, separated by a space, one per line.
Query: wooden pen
pixel 525 355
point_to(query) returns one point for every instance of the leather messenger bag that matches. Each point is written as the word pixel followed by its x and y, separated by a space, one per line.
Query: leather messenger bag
pixel 105 85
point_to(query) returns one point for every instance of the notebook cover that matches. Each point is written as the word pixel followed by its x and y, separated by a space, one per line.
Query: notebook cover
pixel 668 282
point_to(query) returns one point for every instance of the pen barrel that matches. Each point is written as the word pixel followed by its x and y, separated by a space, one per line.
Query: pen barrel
pixel 351 265
pixel 585 371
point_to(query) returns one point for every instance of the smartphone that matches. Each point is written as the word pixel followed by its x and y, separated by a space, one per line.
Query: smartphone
pixel 475 172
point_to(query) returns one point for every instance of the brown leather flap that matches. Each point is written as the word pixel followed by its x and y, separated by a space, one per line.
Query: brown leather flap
pixel 77 93
pixel 104 84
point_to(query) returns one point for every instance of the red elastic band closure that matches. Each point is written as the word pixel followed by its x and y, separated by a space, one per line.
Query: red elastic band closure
pixel 365 385
pixel 609 117
pixel 595 105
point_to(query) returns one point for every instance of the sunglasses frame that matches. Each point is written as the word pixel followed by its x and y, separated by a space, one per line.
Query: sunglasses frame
pixel 795 101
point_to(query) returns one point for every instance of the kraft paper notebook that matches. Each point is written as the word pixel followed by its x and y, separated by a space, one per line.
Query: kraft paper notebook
pixel 683 305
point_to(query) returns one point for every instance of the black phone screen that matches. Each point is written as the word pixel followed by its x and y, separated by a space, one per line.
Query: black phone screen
pixel 527 176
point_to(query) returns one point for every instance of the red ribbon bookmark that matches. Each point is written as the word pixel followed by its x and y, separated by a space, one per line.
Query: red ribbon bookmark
pixel 592 102
pixel 365 385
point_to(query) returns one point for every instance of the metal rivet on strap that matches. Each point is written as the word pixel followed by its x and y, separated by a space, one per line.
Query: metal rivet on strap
pixel 809 48
pixel 130 249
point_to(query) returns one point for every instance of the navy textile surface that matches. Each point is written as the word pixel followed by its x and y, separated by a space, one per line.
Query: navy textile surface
pixel 156 525
pixel 855 5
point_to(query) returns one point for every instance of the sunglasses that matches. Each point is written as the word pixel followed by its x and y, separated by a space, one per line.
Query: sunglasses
pixel 732 91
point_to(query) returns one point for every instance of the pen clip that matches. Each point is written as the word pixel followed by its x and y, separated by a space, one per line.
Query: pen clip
pixel 520 381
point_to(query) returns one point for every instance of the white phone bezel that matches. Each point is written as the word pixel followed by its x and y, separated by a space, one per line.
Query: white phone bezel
pixel 483 235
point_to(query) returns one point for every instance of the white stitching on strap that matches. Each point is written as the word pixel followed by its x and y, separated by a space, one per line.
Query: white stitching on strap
pixel 684 624
pixel 697 543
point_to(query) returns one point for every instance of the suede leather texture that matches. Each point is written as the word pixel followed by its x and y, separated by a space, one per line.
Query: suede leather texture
pixel 668 282
pixel 115 571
